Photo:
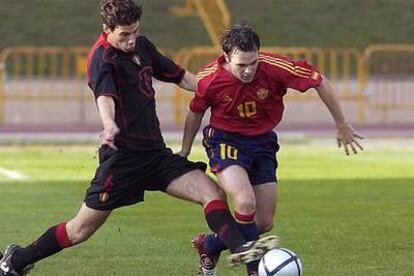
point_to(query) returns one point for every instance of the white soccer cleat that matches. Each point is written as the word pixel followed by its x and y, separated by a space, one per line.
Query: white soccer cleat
pixel 253 251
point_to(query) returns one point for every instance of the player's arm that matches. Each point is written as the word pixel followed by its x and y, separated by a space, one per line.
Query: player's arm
pixel 188 82
pixel 165 69
pixel 346 135
pixel 106 108
pixel 192 125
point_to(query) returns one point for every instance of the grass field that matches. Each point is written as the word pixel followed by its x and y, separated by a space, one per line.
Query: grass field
pixel 342 215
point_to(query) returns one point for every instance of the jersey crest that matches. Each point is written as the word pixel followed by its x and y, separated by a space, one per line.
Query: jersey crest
pixel 136 60
pixel 262 93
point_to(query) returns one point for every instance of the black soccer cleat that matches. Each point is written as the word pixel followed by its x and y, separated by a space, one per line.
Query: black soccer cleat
pixel 253 251
pixel 6 266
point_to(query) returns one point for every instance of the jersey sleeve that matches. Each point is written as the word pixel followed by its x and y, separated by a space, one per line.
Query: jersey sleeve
pixel 295 74
pixel 101 78
pixel 164 68
pixel 306 77
pixel 200 103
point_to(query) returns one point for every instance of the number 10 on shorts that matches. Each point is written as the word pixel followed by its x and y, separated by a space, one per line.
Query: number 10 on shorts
pixel 227 152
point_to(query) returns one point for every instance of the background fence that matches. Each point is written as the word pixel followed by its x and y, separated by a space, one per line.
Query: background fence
pixel 46 86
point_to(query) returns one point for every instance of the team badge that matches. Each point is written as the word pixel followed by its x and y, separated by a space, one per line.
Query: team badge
pixel 136 60
pixel 262 93
pixel 103 197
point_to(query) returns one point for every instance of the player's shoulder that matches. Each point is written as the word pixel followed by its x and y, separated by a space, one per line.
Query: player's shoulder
pixel 145 47
pixel 144 40
pixel 100 57
pixel 209 72
pixel 275 63
pixel 273 59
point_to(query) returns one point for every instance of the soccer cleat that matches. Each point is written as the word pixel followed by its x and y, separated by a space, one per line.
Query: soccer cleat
pixel 208 262
pixel 253 250
pixel 269 242
pixel 6 266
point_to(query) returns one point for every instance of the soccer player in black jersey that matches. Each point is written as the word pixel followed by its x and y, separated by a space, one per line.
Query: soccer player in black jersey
pixel 133 157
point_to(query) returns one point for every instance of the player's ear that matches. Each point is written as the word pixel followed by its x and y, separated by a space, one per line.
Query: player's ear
pixel 106 29
pixel 226 57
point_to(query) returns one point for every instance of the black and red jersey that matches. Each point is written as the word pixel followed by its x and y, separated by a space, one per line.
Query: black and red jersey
pixel 127 77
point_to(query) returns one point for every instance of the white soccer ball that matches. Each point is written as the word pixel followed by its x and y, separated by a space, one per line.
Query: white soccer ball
pixel 280 262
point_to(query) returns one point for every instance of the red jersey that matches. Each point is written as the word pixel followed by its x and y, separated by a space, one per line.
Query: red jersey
pixel 251 108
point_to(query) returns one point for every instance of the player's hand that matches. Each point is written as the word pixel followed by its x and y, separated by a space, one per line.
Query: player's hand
pixel 346 138
pixel 108 135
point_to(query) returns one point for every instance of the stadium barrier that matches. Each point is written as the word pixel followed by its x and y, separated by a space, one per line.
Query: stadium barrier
pixel 213 13
pixel 34 77
pixel 215 16
pixel 388 78
pixel 185 10
pixel 41 73
pixel 378 78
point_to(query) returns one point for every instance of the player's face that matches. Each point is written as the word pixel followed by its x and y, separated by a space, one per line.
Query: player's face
pixel 243 65
pixel 123 37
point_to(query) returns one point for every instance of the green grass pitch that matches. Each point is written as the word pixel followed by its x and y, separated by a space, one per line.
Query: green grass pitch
pixel 342 215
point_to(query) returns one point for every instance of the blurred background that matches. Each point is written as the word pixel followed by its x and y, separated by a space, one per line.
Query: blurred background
pixel 366 49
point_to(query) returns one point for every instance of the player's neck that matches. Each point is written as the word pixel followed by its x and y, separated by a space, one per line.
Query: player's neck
pixel 226 66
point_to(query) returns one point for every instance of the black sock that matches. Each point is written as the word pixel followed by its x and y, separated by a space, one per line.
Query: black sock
pixel 248 228
pixel 220 221
pixel 51 242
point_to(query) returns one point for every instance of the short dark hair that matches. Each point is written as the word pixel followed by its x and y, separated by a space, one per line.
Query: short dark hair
pixel 119 13
pixel 240 36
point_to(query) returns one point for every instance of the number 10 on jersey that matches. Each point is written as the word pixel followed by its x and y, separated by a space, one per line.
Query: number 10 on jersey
pixel 247 109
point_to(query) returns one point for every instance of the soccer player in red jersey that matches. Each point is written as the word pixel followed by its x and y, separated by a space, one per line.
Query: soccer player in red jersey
pixel 133 157
pixel 244 91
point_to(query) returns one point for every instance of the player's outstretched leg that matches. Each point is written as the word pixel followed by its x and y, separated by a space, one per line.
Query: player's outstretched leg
pixel 252 251
pixel 6 266
pixel 208 261
pixel 54 240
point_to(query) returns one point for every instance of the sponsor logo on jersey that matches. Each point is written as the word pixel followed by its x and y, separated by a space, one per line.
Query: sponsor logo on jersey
pixel 136 60
pixel 227 99
pixel 262 93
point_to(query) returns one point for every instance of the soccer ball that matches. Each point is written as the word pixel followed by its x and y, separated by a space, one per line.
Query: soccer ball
pixel 280 262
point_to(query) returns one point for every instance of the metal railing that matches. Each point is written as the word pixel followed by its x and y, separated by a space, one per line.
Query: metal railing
pixel 381 77
pixel 388 83
pixel 213 13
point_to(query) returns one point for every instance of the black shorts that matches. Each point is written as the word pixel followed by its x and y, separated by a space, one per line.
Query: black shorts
pixel 123 175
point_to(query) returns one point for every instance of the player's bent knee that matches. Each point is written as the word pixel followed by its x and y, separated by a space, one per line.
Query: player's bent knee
pixel 245 204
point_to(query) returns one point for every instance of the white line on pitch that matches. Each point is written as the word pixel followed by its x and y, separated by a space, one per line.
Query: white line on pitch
pixel 11 174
